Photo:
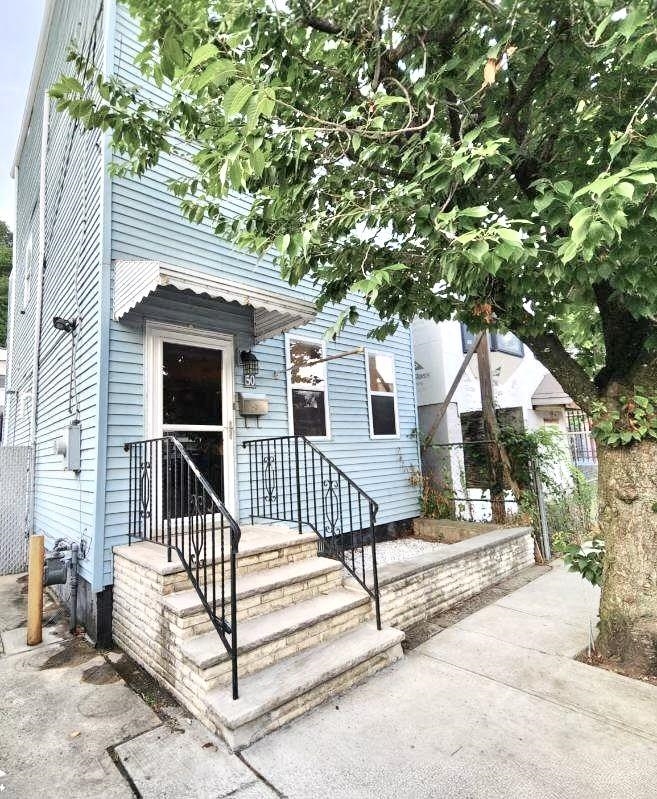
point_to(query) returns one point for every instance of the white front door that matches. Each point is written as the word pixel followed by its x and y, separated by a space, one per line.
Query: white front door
pixel 189 385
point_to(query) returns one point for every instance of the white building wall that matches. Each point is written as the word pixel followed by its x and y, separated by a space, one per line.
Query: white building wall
pixel 438 358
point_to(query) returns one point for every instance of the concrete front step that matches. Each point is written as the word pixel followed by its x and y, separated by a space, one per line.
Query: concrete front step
pixel 285 690
pixel 264 591
pixel 282 628
pixel 260 548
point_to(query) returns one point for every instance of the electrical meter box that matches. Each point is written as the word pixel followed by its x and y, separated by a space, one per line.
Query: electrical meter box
pixel 69 446
pixel 253 404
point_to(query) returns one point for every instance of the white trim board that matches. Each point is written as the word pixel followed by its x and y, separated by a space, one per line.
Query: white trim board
pixel 154 336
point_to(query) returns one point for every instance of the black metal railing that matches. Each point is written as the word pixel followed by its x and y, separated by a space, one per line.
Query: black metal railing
pixel 292 480
pixel 172 504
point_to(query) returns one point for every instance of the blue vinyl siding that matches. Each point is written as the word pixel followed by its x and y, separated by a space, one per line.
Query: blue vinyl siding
pixel 143 221
pixel 146 223
pixel 64 501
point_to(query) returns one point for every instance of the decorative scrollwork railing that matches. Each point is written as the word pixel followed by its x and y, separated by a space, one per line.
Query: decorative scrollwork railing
pixel 172 504
pixel 292 480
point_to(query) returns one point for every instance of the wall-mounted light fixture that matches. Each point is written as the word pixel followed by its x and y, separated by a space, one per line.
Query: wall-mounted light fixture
pixel 63 324
pixel 250 368
pixel 250 364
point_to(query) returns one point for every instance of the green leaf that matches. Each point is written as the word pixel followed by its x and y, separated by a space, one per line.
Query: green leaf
pixel 236 97
pixel 477 251
pixel 563 187
pixel 509 235
pixel 543 201
pixel 218 72
pixel 202 54
pixel 476 211
pixel 383 100
pixel 172 50
pixel 625 189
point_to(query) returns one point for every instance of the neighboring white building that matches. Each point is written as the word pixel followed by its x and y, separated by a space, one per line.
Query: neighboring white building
pixel 524 391
pixel 3 380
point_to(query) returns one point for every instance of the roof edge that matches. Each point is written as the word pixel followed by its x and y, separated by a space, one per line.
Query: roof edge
pixel 34 82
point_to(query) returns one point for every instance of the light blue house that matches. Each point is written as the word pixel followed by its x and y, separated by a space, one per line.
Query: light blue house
pixel 128 323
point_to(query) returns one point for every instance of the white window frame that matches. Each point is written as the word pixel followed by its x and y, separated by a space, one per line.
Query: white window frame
pixel 27 273
pixel 370 394
pixel 24 405
pixel 289 338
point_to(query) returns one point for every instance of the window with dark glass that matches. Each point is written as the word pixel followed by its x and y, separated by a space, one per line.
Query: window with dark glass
pixel 191 385
pixel 382 393
pixel 307 388
pixel 508 343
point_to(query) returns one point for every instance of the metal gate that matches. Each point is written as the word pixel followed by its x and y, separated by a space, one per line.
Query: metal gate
pixel 14 487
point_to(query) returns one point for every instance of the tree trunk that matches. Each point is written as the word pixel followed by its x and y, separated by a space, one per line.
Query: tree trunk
pixel 627 481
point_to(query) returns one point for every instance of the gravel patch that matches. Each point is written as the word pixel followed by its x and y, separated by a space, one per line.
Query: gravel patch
pixel 400 549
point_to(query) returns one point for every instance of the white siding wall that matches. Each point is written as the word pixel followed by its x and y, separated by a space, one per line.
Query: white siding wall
pixel 64 501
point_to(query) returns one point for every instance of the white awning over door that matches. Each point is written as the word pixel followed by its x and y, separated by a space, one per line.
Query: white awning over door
pixel 273 313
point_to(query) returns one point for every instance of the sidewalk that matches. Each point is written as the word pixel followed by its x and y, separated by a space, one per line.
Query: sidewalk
pixel 492 706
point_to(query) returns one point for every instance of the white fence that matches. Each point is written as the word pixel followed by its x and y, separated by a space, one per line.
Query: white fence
pixel 14 487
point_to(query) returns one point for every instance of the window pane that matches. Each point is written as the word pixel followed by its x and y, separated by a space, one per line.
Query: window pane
pixel 382 373
pixel 383 416
pixel 301 374
pixel 507 343
pixel 191 385
pixel 467 337
pixel 309 412
pixel 181 493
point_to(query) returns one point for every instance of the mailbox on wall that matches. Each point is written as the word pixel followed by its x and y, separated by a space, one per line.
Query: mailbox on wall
pixel 253 405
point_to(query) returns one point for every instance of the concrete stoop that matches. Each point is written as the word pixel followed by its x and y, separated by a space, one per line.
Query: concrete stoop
pixel 302 635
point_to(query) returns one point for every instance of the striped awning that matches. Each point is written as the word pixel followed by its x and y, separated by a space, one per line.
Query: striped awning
pixel 274 313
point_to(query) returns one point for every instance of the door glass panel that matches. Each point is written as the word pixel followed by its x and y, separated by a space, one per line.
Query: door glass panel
pixel 183 493
pixel 191 385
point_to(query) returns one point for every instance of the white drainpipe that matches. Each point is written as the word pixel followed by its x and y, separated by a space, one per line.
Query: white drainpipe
pixel 38 310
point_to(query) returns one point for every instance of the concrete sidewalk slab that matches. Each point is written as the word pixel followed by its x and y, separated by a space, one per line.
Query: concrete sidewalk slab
pixel 62 707
pixel 426 729
pixel 187 761
pixel 616 700
pixel 543 633
pixel 494 706
pixel 13 642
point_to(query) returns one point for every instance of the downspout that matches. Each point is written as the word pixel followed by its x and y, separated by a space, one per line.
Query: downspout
pixel 10 398
pixel 38 310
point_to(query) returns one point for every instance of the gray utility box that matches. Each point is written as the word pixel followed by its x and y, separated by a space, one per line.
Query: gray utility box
pixel 69 445
pixel 253 404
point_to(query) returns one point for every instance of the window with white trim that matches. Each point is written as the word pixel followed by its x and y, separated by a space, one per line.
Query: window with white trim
pixel 307 388
pixel 382 390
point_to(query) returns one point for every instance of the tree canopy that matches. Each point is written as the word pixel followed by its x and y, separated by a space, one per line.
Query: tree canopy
pixel 6 241
pixel 497 160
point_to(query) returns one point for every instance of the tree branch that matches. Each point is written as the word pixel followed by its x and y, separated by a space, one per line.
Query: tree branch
pixel 317 23
pixel 550 351
pixel 624 335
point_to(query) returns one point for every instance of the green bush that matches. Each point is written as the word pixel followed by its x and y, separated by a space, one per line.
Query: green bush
pixel 586 560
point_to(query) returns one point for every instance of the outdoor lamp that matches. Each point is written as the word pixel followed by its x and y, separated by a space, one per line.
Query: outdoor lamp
pixel 250 363
pixel 65 325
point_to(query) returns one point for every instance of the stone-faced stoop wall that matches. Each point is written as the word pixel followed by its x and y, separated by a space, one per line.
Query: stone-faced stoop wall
pixel 418 588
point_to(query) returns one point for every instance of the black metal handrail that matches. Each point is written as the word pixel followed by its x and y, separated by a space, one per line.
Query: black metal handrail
pixel 172 504
pixel 292 480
